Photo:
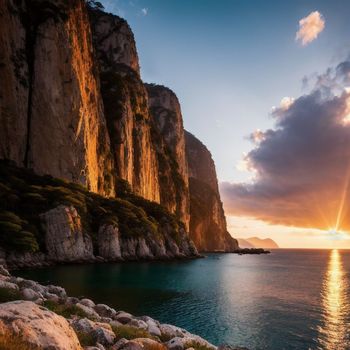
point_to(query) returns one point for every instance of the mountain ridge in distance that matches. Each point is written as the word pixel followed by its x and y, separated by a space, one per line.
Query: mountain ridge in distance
pixel 256 242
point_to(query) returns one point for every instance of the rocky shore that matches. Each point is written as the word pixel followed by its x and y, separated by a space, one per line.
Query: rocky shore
pixel 34 316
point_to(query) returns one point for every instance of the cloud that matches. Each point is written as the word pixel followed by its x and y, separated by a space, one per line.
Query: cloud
pixel 301 167
pixel 144 11
pixel 309 28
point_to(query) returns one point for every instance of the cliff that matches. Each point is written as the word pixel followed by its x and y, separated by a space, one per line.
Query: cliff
pixel 73 109
pixel 207 218
pixel 51 110
pixel 126 104
pixel 169 138
pixel 44 220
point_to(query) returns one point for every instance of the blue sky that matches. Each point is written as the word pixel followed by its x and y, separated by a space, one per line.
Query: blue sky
pixel 229 62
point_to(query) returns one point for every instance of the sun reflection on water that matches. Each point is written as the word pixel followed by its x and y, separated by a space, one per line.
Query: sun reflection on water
pixel 333 333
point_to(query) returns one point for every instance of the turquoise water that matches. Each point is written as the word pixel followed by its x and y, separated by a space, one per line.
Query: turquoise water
pixel 290 299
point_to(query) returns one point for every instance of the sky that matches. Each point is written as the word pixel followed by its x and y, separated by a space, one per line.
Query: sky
pixel 282 167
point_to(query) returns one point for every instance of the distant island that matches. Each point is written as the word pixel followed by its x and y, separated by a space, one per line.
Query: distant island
pixel 256 242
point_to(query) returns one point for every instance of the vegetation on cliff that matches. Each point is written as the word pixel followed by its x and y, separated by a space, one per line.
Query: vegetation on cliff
pixel 24 196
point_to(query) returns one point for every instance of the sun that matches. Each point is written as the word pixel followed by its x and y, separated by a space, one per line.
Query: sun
pixel 333 232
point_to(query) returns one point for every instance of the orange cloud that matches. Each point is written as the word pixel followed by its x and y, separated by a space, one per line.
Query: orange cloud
pixel 310 27
pixel 302 166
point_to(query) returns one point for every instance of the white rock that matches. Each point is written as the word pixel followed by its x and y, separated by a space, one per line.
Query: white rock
pixel 108 242
pixel 119 344
pixel 29 294
pixel 170 331
pixel 33 285
pixel 72 300
pixel 176 343
pixel 123 317
pixel 104 336
pixel 89 311
pixel 52 297
pixel 149 343
pixel 8 285
pixel 65 238
pixel 87 302
pixel 132 345
pixel 4 271
pixel 138 324
pixel 59 291
pixel 105 311
pixel 83 325
pixel 37 326
pixel 153 327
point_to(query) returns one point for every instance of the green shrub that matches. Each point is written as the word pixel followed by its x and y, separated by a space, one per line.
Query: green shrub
pixel 64 310
pixel 7 216
pixel 85 339
pixel 197 346
pixel 129 332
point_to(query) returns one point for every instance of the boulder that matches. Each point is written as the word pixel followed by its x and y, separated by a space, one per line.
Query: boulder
pixel 150 344
pixel 65 238
pixel 105 311
pixel 108 242
pixel 101 332
pixel 153 326
pixel 32 285
pixel 119 344
pixel 131 345
pixel 169 331
pixel 88 310
pixel 176 343
pixel 103 335
pixel 83 325
pixel 72 300
pixel 8 285
pixel 37 326
pixel 87 302
pixel 52 297
pixel 123 317
pixel 29 294
pixel 59 291
pixel 4 271
pixel 138 324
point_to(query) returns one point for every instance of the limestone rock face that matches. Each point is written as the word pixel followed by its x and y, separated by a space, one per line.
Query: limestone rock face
pixel 14 82
pixel 126 104
pixel 51 109
pixel 169 137
pixel 115 41
pixel 36 326
pixel 208 227
pixel 65 238
pixel 108 242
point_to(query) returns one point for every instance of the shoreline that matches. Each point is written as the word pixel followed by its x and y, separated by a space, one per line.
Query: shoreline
pixel 12 265
pixel 79 323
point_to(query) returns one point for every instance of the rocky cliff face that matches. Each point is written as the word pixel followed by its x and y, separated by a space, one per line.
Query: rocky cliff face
pixel 51 109
pixel 207 218
pixel 73 106
pixel 14 82
pixel 126 104
pixel 169 138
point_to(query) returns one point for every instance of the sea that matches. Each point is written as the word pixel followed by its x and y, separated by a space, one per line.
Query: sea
pixel 289 299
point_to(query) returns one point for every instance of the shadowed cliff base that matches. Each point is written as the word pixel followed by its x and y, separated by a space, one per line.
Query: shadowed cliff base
pixel 47 220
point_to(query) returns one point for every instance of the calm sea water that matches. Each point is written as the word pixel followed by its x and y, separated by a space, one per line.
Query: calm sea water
pixel 290 299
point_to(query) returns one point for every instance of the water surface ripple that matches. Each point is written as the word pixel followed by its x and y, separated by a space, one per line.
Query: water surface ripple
pixel 290 299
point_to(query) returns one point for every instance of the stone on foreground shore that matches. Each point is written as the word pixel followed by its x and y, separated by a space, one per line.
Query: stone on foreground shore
pixel 37 326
